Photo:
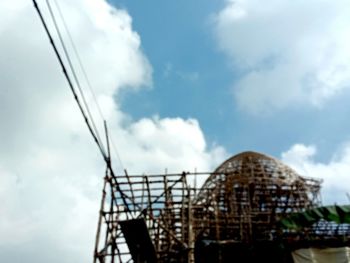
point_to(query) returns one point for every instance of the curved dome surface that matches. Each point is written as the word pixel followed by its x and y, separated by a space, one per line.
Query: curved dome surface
pixel 255 164
pixel 250 192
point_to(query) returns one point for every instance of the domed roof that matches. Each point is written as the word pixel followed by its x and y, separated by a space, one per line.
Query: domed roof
pixel 250 192
pixel 253 164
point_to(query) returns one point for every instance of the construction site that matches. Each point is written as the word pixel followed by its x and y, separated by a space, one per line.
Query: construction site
pixel 251 208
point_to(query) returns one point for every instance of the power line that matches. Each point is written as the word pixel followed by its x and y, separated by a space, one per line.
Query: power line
pixel 103 153
pixel 63 67
pixel 116 153
pixel 73 72
pixel 80 63
pixel 79 60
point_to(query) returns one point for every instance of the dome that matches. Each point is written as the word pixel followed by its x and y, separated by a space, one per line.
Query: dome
pixel 257 165
pixel 247 194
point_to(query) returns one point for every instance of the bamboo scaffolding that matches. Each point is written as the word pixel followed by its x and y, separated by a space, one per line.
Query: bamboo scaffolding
pixel 240 201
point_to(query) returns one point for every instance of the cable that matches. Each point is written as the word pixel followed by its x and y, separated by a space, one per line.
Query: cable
pixel 73 72
pixel 58 56
pixel 79 60
pixel 117 153
pixel 87 80
pixel 67 77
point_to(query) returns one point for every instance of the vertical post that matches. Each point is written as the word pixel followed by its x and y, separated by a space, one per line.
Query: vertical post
pixel 100 217
pixel 149 202
pixel 183 214
pixel 168 209
pixel 190 228
pixel 131 189
pixel 103 198
pixel 195 182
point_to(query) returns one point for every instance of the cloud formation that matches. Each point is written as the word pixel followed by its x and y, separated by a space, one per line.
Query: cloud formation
pixel 50 170
pixel 335 172
pixel 290 52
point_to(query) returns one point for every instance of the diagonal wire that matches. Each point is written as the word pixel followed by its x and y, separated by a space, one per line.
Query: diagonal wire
pixel 79 59
pixel 87 122
pixel 115 150
pixel 63 67
pixel 87 80
pixel 74 73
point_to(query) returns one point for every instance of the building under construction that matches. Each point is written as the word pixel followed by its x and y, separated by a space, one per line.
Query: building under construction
pixel 247 209
pixel 251 208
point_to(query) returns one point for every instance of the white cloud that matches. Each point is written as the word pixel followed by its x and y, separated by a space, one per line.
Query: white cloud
pixel 50 170
pixel 335 172
pixel 290 51
pixel 169 70
pixel 170 143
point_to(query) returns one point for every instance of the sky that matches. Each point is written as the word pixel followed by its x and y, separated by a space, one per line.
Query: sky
pixel 183 85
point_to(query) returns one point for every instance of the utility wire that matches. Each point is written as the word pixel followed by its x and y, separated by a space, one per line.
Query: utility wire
pixel 87 80
pixel 68 78
pixel 115 150
pixel 73 72
pixel 79 60
pixel 103 153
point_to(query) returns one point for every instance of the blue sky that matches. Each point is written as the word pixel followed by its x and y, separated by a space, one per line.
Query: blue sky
pixel 183 85
pixel 192 77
